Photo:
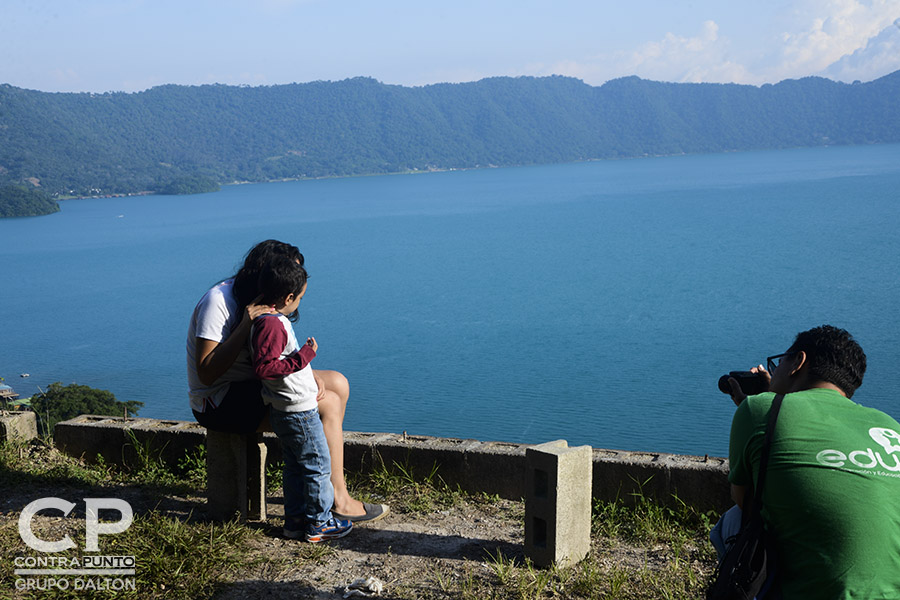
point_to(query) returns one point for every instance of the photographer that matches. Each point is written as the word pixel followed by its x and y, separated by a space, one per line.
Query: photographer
pixel 832 492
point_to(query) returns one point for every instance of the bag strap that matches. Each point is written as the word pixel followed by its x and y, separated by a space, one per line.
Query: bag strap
pixel 764 459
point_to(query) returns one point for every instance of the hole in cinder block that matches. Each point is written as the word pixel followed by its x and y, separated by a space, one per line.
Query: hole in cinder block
pixel 541 483
pixel 94 419
pixel 540 532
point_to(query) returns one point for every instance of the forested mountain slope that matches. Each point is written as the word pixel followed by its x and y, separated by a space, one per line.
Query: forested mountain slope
pixel 180 137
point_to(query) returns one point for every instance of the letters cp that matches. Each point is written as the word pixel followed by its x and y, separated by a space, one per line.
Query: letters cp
pixel 92 525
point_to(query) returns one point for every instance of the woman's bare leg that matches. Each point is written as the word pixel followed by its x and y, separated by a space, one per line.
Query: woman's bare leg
pixel 331 410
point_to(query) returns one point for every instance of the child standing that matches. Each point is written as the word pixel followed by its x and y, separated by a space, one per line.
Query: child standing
pixel 290 390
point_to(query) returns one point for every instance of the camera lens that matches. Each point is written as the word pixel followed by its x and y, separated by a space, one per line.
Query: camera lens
pixel 724 387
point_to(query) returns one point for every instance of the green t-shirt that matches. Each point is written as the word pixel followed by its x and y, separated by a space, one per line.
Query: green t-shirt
pixel 832 492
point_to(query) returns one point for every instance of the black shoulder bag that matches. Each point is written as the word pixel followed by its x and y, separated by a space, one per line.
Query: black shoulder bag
pixel 747 568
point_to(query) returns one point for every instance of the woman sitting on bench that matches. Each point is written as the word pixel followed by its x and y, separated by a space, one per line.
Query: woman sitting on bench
pixel 224 391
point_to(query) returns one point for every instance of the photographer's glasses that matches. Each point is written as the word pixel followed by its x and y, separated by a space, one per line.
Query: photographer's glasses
pixel 772 362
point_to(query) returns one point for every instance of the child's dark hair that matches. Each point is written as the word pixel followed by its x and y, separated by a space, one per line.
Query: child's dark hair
pixel 280 277
pixel 833 355
pixel 246 280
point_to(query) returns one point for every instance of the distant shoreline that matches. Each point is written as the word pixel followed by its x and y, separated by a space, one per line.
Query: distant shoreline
pixel 451 169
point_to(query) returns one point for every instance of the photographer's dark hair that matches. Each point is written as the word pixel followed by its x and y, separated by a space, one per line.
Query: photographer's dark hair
pixel 833 356
pixel 280 277
pixel 246 280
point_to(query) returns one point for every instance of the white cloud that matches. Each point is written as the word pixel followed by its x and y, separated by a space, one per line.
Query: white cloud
pixel 833 29
pixel 842 39
pixel 880 56
pixel 702 57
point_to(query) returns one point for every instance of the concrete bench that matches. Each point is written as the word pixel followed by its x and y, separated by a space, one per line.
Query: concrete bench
pixel 236 476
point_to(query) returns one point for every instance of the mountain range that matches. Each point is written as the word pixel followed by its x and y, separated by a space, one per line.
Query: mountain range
pixel 191 138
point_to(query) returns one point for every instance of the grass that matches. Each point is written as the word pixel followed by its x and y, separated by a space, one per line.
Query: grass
pixel 183 556
pixel 177 556
pixel 638 566
pixel 640 549
pixel 406 491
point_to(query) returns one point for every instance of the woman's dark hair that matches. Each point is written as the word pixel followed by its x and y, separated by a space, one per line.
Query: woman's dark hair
pixel 280 277
pixel 833 356
pixel 246 280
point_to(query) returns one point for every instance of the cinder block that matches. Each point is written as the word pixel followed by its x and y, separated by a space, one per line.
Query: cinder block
pixel 557 503
pixel 235 476
pixel 18 425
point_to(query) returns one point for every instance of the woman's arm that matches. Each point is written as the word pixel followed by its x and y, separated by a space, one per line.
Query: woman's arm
pixel 215 358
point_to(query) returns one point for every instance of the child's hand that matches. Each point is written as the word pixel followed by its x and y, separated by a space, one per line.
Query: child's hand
pixel 311 342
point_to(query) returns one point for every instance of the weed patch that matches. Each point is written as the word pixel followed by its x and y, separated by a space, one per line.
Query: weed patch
pixel 407 492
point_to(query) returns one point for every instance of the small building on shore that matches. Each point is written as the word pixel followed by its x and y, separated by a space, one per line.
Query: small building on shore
pixel 7 393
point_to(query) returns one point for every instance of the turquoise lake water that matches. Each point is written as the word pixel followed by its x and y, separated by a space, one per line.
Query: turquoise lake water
pixel 596 302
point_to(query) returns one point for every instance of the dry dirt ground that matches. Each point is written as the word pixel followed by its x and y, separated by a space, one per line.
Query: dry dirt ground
pixel 409 553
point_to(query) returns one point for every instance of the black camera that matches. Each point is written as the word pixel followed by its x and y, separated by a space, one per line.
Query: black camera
pixel 750 382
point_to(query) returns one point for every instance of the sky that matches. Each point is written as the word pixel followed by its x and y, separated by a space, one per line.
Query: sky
pixel 132 45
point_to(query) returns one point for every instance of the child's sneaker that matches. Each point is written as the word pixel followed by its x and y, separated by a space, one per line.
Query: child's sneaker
pixel 329 530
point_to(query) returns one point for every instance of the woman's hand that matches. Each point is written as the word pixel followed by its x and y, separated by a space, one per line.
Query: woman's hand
pixel 215 358
pixel 255 310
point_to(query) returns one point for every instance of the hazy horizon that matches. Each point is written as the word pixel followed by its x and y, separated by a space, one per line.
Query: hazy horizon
pixel 245 85
pixel 134 45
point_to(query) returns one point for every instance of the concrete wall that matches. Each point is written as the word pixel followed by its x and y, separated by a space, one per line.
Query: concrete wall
pixel 490 467
pixel 18 425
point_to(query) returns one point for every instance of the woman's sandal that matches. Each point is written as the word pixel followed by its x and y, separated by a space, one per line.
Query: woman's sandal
pixel 373 513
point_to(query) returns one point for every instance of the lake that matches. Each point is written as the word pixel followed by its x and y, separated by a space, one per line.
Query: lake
pixel 597 302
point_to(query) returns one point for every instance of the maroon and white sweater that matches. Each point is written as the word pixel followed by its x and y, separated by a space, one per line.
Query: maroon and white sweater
pixel 283 365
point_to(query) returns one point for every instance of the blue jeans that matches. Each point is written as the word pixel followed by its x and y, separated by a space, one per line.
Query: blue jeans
pixel 308 493
pixel 726 531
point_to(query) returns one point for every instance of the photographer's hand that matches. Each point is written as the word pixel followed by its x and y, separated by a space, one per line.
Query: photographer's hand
pixel 737 394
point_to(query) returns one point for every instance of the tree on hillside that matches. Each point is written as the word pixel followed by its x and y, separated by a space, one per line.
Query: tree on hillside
pixel 189 184
pixel 61 402
pixel 20 201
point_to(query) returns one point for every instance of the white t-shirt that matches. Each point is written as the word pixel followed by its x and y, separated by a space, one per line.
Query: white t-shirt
pixel 214 318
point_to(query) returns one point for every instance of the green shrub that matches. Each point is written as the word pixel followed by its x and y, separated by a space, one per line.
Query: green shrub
pixel 61 402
